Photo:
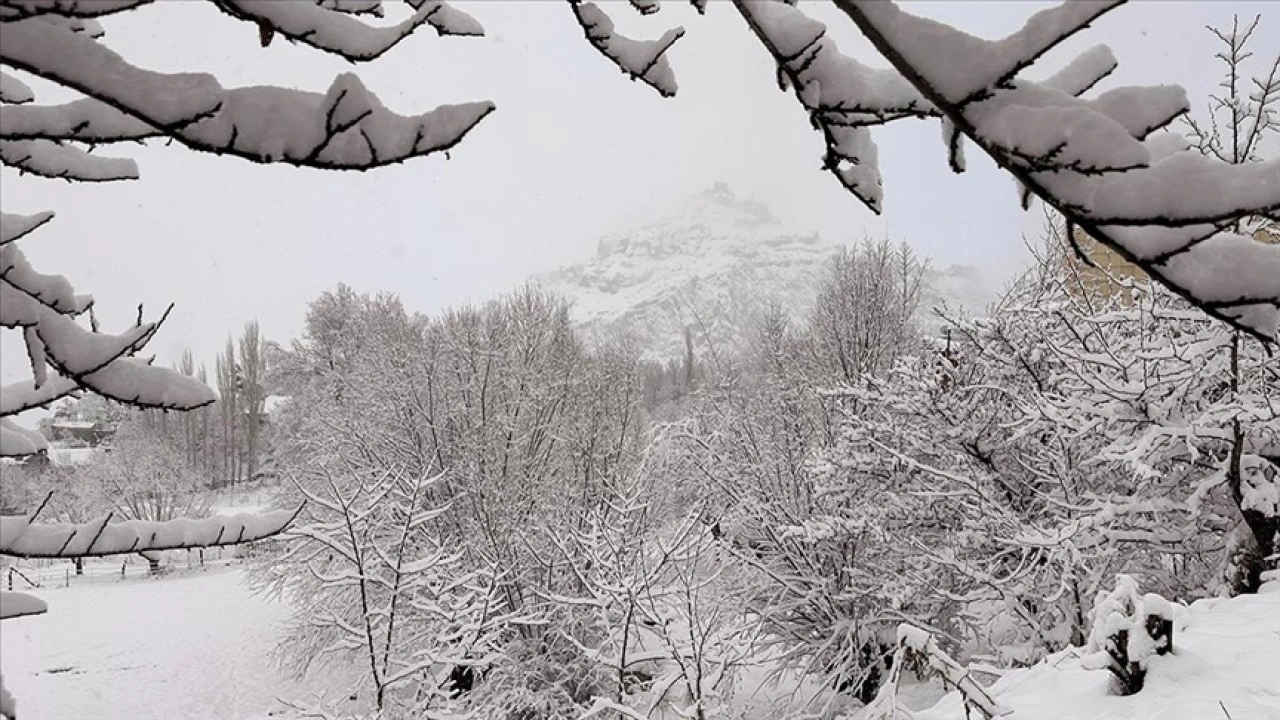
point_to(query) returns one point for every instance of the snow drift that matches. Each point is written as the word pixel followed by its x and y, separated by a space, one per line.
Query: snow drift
pixel 1225 664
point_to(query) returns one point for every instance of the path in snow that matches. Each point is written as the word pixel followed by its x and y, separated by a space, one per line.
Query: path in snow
pixel 186 646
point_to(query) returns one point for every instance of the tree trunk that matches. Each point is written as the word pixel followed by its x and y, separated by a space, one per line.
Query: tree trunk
pixel 1265 528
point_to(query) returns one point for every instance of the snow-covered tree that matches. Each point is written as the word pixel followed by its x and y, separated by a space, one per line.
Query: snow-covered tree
pixel 1075 432
pixel 534 429
pixel 643 604
pixel 374 585
pixel 1188 409
pixel 141 476
pixel 862 316
pixel 821 548
pixel 253 395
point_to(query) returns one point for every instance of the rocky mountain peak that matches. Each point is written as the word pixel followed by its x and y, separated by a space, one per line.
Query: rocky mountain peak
pixel 711 266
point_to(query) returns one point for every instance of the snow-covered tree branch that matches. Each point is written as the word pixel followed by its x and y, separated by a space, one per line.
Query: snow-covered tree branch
pixel 21 536
pixel 44 308
pixel 343 128
pixel 1099 162
pixel 644 60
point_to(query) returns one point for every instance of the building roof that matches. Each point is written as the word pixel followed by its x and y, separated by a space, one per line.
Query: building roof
pixel 72 456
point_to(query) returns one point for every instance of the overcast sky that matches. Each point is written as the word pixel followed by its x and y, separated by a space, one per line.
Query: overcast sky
pixel 574 151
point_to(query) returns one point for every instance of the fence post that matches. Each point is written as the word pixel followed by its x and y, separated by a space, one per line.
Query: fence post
pixel 67 581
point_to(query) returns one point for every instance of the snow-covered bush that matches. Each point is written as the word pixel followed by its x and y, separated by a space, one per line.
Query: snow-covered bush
pixel 1128 630
pixel 919 649
pixel 668 641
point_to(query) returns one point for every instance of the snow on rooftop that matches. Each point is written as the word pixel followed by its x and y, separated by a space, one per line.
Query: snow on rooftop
pixel 71 456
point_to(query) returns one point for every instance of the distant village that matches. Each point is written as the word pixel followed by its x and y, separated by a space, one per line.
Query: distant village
pixel 80 428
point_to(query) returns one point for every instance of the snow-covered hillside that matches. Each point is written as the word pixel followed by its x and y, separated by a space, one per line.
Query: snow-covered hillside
pixel 711 267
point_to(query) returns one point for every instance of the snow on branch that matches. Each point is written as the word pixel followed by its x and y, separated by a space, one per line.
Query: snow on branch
pixel 70 8
pixel 340 32
pixel 1155 202
pixel 44 306
pixel 640 59
pixel 1169 193
pixel 77 352
pixel 84 120
pixel 345 128
pixel 85 26
pixel 17 441
pixel 27 395
pixel 922 644
pixel 843 96
pixel 102 363
pixel 646 7
pixel 354 7
pixel 964 68
pixel 20 536
pixel 17 309
pixel 1084 71
pixel 14 91
pixel 64 162
pixel 449 20
pixel 137 382
pixel 14 226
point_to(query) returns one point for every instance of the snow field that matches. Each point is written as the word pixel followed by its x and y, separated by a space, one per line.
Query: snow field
pixel 191 645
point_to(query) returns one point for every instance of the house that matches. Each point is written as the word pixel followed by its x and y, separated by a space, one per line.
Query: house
pixel 90 432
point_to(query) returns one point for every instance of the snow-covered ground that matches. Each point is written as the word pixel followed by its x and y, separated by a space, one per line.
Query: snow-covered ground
pixel 191 645
pixel 1225 666
pixel 197 644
